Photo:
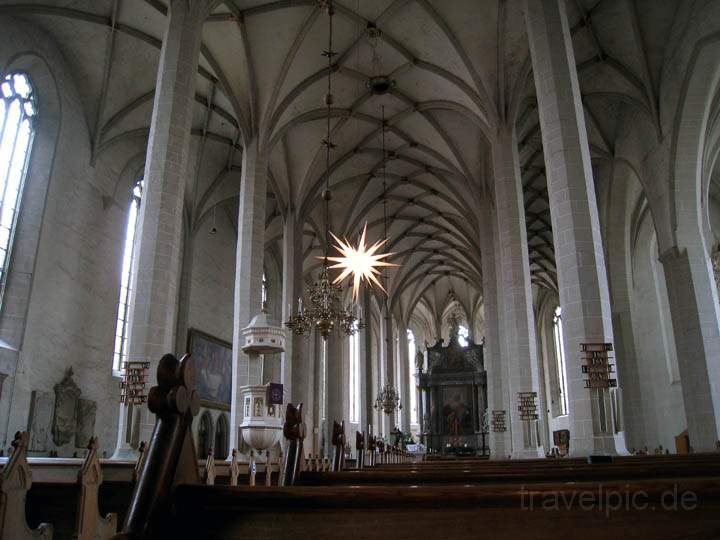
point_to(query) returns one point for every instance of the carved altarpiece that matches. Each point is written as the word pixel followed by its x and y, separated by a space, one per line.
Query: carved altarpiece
pixel 453 395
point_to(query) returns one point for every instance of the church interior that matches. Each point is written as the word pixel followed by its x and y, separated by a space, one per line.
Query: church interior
pixel 433 269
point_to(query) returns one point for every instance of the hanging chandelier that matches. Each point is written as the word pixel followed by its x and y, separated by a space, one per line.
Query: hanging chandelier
pixel 326 312
pixel 388 400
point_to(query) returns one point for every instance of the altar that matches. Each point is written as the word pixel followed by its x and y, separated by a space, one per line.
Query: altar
pixel 453 398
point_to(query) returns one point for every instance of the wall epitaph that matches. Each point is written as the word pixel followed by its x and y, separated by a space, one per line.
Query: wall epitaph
pixel 67 394
pixel 597 365
pixel 85 430
pixel 40 420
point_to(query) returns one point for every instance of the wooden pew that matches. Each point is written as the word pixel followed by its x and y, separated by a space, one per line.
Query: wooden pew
pixel 510 512
pixel 338 442
pixel 294 432
pixel 91 525
pixel 520 472
pixel 171 455
pixel 15 482
pixel 360 448
pixel 70 494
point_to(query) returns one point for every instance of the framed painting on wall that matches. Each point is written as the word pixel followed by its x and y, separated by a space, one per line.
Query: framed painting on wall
pixel 213 358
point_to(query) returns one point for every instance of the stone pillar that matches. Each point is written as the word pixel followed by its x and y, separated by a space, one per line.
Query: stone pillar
pixel 404 379
pixel 500 443
pixel 693 307
pixel 248 276
pixel 315 357
pixel 156 267
pixel 579 256
pixel 293 375
pixel 389 420
pixel 516 297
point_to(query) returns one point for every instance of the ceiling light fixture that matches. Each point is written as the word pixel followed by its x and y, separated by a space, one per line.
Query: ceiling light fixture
pixel 326 312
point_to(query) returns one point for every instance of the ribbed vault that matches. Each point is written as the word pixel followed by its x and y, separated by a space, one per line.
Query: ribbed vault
pixel 459 69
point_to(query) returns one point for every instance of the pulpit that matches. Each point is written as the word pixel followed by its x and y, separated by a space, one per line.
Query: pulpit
pixel 453 392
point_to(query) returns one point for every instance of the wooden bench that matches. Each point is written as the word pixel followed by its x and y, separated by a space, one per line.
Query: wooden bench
pixel 65 503
pixel 579 510
pixel 520 472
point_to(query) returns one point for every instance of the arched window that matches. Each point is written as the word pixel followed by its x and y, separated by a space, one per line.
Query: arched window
pixel 263 290
pixel 411 369
pixel 205 433
pixel 463 334
pixel 126 279
pixel 560 360
pixel 323 380
pixel 354 374
pixel 17 128
pixel 221 438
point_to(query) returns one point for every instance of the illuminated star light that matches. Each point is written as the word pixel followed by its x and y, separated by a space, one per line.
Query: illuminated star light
pixel 362 262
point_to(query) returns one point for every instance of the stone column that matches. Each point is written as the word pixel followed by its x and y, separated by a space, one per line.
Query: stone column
pixel 500 443
pixel 516 297
pixel 156 267
pixel 293 375
pixel 389 420
pixel 316 354
pixel 579 257
pixel 420 408
pixel 693 307
pixel 248 276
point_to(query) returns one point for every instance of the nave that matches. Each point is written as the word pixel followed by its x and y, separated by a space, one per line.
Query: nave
pixel 483 234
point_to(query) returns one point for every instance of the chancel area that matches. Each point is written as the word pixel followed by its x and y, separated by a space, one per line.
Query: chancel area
pixel 342 268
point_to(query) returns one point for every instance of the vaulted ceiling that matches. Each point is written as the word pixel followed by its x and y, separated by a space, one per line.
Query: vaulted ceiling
pixel 456 69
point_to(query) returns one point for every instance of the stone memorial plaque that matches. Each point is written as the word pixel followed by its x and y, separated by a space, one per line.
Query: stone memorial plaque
pixel 86 410
pixel 40 420
pixel 67 394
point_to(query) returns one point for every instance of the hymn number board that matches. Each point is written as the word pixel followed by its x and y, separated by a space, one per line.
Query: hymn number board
pixel 132 387
pixel 498 422
pixel 597 365
pixel 527 405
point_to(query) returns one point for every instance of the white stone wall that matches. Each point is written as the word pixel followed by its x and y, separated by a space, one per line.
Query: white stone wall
pixel 213 278
pixel 74 272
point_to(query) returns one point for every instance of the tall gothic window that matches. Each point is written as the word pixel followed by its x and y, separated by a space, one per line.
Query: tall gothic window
pixel 560 360
pixel 126 279
pixel 323 380
pixel 17 127
pixel 354 378
pixel 263 290
pixel 411 371
pixel 463 334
